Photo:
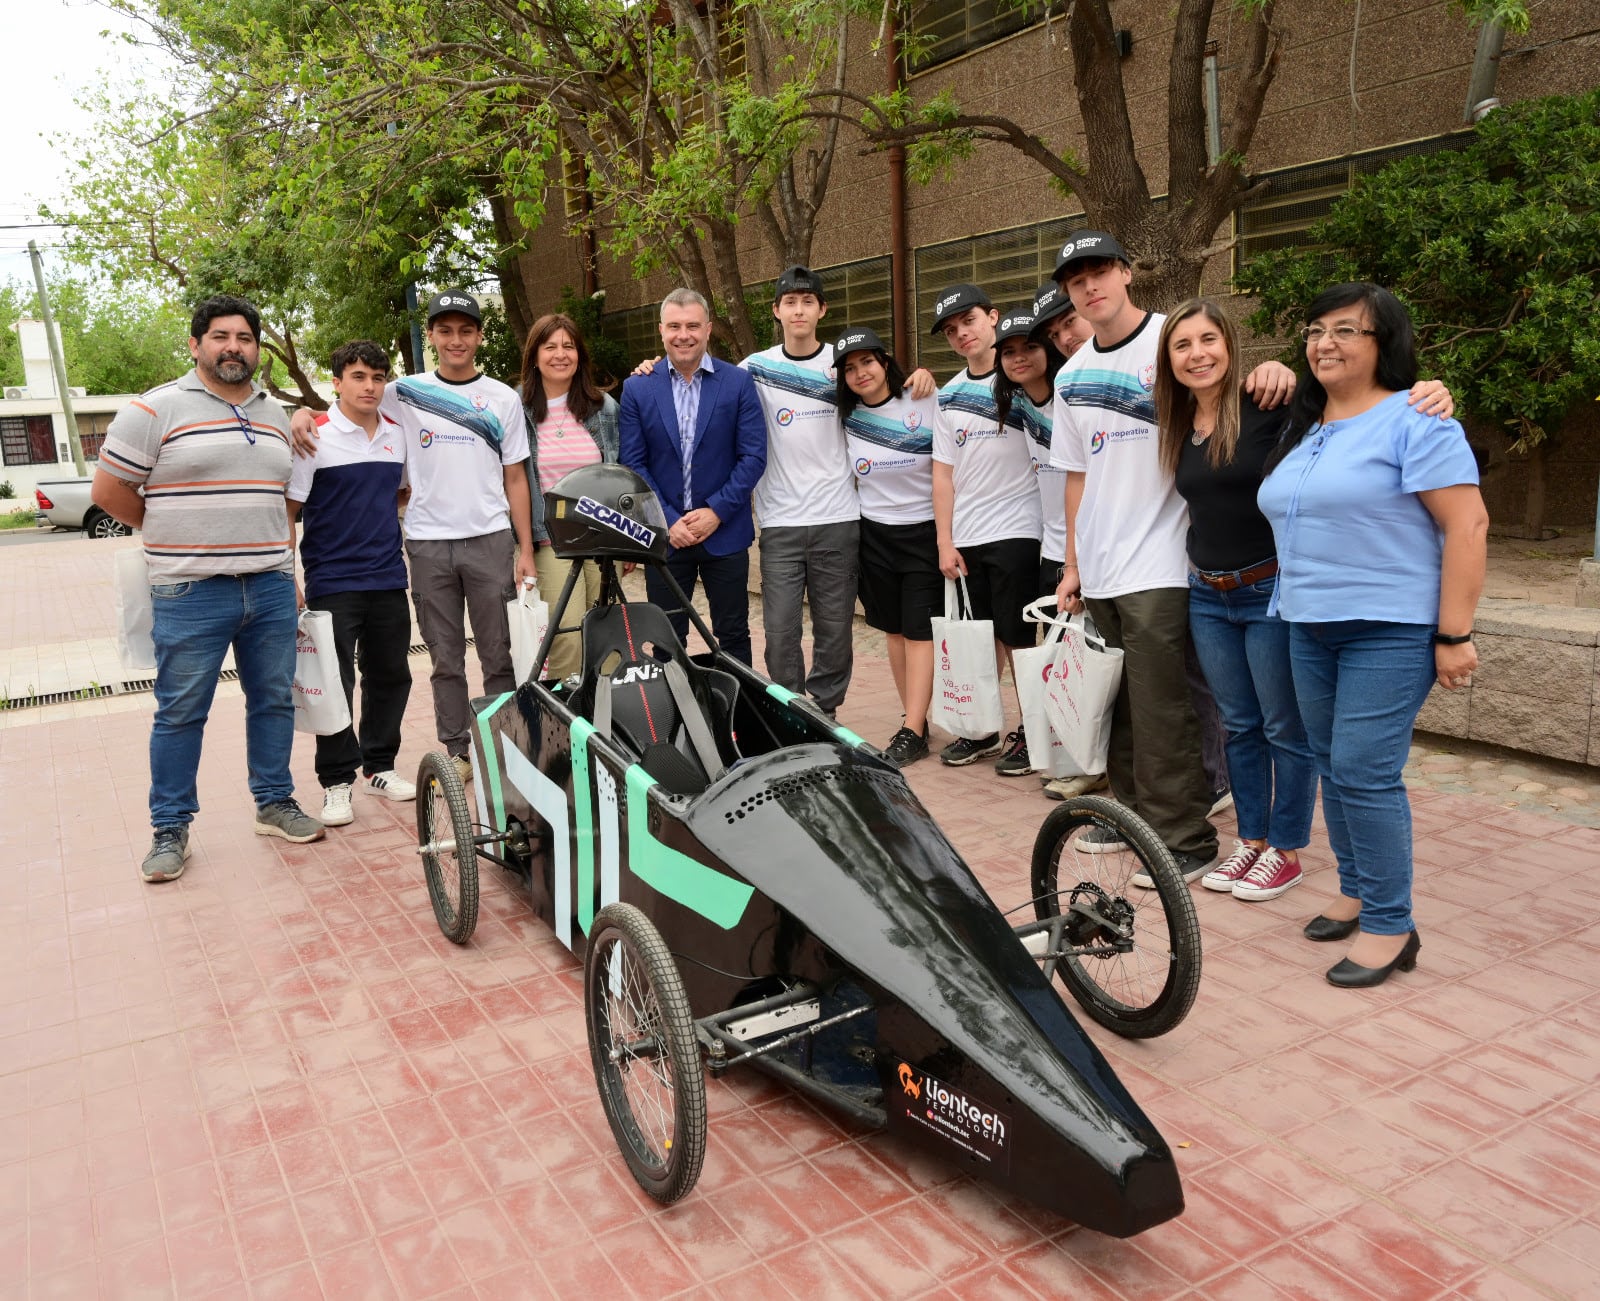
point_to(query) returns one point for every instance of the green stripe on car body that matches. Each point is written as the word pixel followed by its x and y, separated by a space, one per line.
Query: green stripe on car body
pixel 583 811
pixel 715 896
pixel 491 758
pixel 783 696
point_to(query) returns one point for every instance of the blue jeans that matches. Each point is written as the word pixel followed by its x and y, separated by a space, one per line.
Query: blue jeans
pixel 1244 653
pixel 194 624
pixel 1360 684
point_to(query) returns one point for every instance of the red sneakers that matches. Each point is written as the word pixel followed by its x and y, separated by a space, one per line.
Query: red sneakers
pixel 1230 871
pixel 1269 877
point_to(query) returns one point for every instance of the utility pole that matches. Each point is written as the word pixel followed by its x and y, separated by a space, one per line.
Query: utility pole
pixel 58 361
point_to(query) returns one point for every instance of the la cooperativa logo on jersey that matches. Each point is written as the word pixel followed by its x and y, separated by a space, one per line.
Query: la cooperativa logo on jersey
pixel 962 1120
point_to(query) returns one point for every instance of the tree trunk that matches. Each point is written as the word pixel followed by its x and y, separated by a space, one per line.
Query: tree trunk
pixel 1167 267
pixel 722 236
pixel 509 267
pixel 1533 516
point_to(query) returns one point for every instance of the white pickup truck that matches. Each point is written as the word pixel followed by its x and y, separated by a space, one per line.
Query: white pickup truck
pixel 65 504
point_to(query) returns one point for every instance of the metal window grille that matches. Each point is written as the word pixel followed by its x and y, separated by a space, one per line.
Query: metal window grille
pixel 92 434
pixel 1008 265
pixel 635 329
pixel 27 440
pixel 1296 198
pixel 858 294
pixel 943 29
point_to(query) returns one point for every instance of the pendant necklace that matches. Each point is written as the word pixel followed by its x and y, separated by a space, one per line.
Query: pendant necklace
pixel 1199 436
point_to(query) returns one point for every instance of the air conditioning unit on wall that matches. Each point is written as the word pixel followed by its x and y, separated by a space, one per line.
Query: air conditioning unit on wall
pixel 14 394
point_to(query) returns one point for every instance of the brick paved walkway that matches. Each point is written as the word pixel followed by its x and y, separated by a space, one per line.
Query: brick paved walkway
pixel 274 1078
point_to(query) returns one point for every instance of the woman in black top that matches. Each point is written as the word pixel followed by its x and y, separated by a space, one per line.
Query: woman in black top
pixel 1215 442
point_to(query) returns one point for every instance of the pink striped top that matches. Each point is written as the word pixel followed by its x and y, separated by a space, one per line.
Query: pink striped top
pixel 564 444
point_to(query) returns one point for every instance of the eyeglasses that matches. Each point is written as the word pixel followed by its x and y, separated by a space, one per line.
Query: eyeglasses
pixel 245 427
pixel 1339 333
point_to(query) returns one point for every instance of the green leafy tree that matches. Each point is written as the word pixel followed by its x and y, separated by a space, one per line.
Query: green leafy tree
pixel 114 338
pixel 1496 251
pixel 1175 237
pixel 117 339
pixel 199 203
pixel 433 131
pixel 14 305
pixel 608 356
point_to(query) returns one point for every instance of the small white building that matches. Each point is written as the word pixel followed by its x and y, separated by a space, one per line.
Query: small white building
pixel 33 428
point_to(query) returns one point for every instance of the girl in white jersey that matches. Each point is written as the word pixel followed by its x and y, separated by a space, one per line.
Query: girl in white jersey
pixel 889 436
pixel 1024 389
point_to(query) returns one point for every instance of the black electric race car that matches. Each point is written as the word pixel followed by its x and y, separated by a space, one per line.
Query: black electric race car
pixel 746 881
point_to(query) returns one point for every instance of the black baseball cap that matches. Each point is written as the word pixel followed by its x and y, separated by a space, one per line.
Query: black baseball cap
pixel 798 280
pixel 1049 302
pixel 1088 245
pixel 858 339
pixel 454 300
pixel 955 300
pixel 1015 324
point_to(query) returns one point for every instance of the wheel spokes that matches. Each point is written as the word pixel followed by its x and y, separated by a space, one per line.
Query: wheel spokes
pixel 638 1049
pixel 1135 978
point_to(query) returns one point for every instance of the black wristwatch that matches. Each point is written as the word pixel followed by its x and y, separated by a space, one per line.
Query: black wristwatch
pixel 1445 639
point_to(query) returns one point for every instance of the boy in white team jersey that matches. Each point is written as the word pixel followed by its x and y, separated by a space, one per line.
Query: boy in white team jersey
pixel 805 501
pixel 985 500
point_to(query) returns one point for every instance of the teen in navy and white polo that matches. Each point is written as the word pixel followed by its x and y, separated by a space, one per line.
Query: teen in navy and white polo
pixel 349 493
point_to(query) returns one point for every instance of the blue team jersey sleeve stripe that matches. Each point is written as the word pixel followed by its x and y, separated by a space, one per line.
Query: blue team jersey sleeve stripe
pixel 802 381
pixel 889 433
pixel 441 402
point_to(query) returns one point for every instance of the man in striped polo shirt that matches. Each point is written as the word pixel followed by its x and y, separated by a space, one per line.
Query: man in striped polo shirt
pixel 211 453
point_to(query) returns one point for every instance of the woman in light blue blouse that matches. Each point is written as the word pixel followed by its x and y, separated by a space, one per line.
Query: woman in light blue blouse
pixel 1380 533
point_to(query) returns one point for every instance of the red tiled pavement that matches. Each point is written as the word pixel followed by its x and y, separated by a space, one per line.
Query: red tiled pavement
pixel 275 1078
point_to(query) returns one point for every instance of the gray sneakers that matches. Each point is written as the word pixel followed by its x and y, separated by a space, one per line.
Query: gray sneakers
pixel 1064 788
pixel 169 851
pixel 287 819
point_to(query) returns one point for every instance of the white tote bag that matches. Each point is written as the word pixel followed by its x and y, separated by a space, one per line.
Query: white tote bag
pixel 1081 691
pixel 1032 666
pixel 966 680
pixel 529 617
pixel 130 586
pixel 319 703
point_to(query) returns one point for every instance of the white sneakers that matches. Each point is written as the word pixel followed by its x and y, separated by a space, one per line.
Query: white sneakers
pixel 392 786
pixel 336 810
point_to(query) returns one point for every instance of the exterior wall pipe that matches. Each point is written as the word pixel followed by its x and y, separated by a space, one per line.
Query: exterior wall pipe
pixel 1213 106
pixel 1485 68
pixel 899 245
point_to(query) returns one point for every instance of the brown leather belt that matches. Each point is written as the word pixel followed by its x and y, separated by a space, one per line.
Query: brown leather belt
pixel 1242 578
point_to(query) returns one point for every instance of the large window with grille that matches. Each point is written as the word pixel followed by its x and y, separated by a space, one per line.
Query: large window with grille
pixel 1008 265
pixel 28 440
pixel 943 29
pixel 858 294
pixel 92 433
pixel 635 329
pixel 1296 198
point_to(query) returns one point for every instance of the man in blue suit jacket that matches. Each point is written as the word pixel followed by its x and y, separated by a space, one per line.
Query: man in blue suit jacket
pixel 694 429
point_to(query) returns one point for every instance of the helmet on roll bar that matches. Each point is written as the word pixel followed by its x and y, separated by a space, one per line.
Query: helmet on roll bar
pixel 600 511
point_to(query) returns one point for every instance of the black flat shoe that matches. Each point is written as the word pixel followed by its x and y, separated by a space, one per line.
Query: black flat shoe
pixel 1349 975
pixel 1325 928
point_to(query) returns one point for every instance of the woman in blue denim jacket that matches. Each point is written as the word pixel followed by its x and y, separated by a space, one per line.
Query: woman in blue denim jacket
pixel 1381 541
pixel 572 422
